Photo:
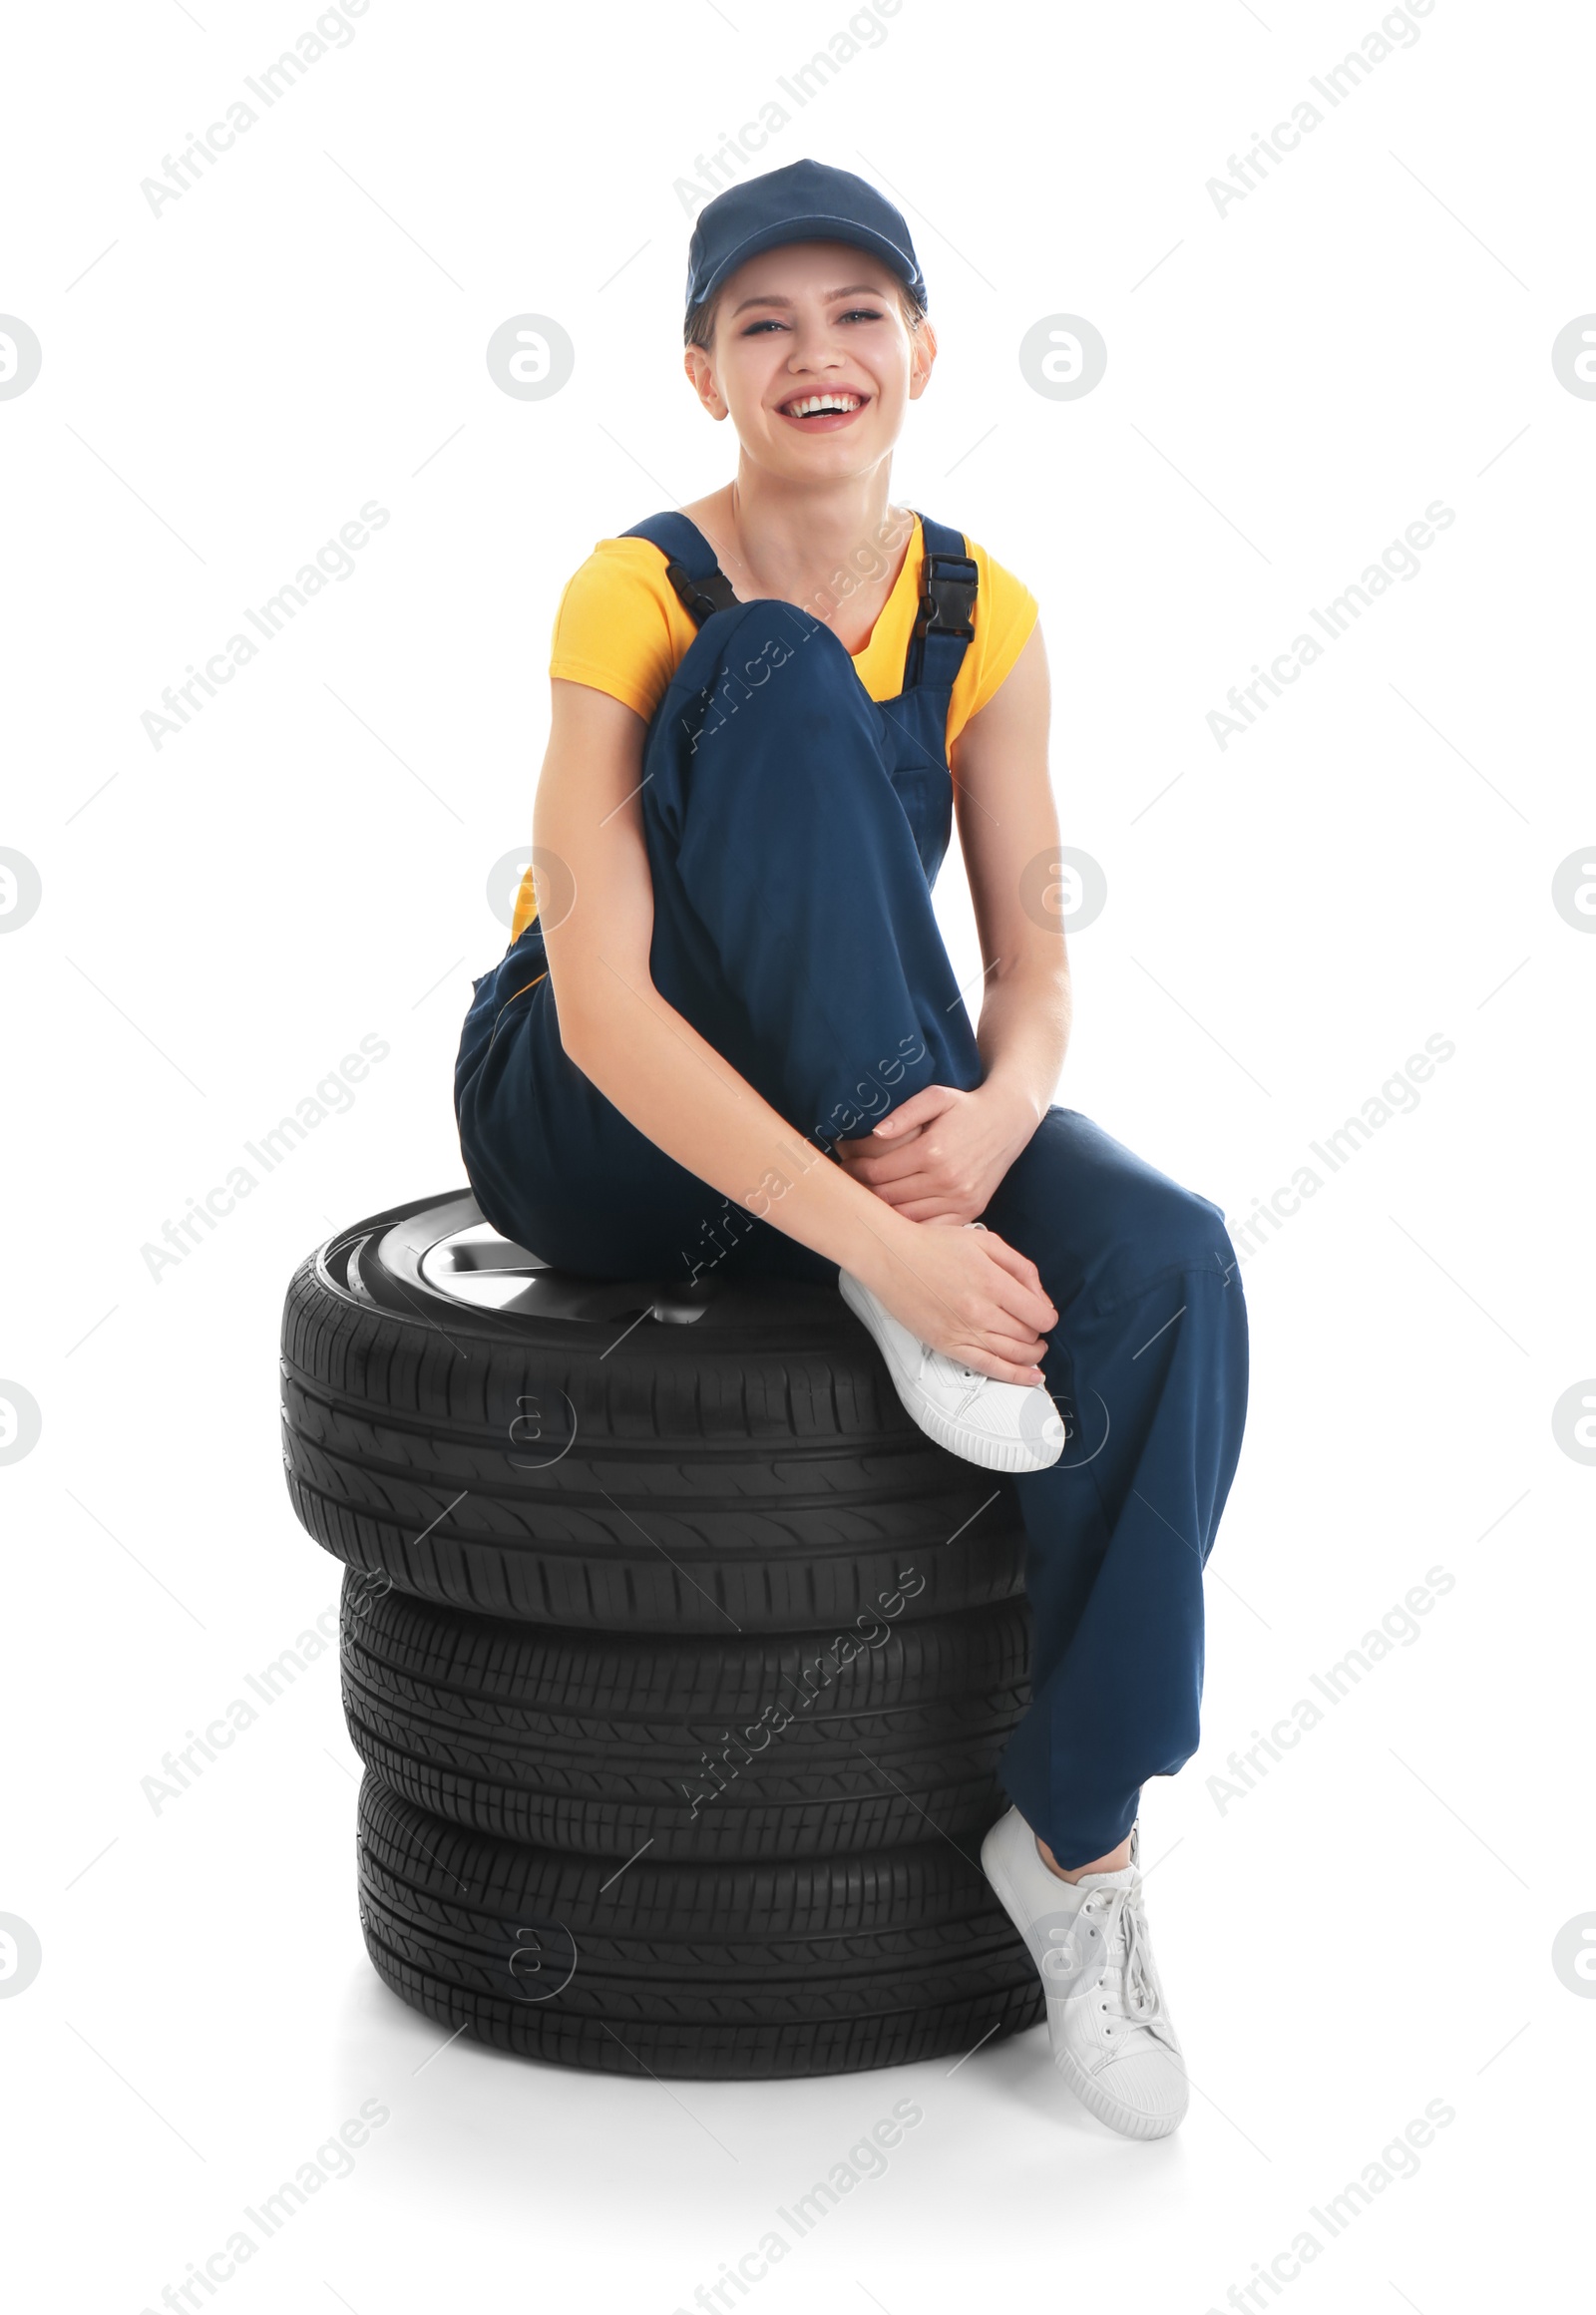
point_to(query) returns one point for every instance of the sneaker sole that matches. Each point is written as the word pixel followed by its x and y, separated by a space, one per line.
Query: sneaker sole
pixel 1008 1455
pixel 1124 2119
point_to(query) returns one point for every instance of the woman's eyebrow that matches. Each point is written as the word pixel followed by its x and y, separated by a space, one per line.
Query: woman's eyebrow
pixel 853 289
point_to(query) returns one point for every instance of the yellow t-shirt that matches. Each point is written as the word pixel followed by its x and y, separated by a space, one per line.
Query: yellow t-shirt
pixel 622 629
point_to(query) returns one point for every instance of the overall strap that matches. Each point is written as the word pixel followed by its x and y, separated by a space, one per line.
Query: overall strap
pixel 691 565
pixel 945 623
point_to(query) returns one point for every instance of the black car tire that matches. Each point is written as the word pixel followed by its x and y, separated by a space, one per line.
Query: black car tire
pixel 623 1455
pixel 715 1971
pixel 864 1736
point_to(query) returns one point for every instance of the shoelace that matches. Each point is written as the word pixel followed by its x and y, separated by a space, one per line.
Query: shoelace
pixel 966 1375
pixel 1128 1987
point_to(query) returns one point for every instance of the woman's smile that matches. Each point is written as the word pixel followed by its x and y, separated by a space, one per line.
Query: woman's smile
pixel 823 410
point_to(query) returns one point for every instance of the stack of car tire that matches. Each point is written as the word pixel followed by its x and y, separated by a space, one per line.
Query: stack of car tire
pixel 678 1657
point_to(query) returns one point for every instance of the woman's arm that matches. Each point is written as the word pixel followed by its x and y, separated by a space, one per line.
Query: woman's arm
pixel 940 1154
pixel 967 1293
pixel 1007 820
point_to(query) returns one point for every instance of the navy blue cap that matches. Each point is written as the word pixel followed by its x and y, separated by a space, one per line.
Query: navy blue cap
pixel 805 202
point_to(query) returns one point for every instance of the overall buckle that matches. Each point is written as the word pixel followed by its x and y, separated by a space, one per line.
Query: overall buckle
pixel 701 598
pixel 949 585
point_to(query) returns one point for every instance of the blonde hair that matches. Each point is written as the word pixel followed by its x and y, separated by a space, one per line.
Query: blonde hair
pixel 700 328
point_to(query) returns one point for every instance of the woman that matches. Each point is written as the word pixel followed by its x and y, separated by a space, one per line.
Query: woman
pixel 730 961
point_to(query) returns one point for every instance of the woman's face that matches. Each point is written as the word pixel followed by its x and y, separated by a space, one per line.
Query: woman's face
pixel 813 361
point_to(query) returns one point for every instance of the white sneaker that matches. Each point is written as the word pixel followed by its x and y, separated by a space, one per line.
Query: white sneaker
pixel 1002 1426
pixel 1111 2035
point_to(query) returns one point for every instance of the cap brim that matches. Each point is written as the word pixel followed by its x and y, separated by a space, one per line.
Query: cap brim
pixel 813 228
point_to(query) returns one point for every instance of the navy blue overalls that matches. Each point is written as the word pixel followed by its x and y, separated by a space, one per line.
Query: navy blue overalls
pixel 795 827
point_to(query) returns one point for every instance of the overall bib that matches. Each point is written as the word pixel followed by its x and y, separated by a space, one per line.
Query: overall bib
pixel 794 829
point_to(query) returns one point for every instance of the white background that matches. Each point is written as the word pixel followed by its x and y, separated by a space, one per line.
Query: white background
pixel 1288 386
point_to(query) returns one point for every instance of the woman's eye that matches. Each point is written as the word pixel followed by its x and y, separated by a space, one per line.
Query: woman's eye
pixel 854 313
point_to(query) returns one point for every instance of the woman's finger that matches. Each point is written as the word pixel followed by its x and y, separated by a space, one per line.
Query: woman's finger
pixel 1017 1350
pixel 863 1145
pixel 889 1164
pixel 1022 1300
pixel 918 1109
pixel 914 1190
pixel 1021 1270
pixel 1027 1314
pixel 932 1207
pixel 1022 1319
pixel 1002 1369
pixel 1017 1264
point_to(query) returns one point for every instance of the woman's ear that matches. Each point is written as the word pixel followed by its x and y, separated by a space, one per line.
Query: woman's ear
pixel 923 354
pixel 700 371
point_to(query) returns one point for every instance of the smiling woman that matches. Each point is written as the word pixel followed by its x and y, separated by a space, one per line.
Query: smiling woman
pixel 727 1001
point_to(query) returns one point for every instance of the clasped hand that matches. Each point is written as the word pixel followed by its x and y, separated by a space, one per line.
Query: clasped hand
pixel 941 1155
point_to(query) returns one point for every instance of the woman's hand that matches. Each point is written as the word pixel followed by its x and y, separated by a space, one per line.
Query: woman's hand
pixel 941 1155
pixel 966 1293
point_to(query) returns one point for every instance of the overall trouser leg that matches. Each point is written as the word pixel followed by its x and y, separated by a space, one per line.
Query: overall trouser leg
pixel 1149 1363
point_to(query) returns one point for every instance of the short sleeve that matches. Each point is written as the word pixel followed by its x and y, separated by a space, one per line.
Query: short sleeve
pixel 1006 612
pixel 619 627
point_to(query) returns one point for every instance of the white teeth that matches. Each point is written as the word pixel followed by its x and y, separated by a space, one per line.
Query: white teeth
pixel 809 403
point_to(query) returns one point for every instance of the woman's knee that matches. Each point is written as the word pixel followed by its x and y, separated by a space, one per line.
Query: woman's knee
pixel 1100 1223
pixel 785 678
pixel 1162 1232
